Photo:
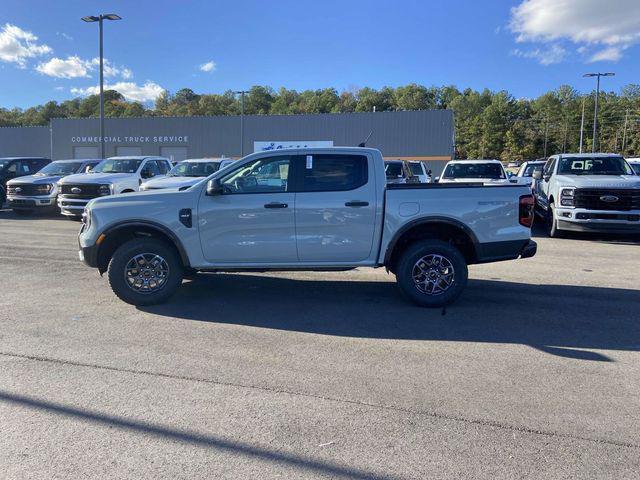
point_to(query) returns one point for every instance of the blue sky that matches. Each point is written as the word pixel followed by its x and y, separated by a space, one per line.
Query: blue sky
pixel 524 46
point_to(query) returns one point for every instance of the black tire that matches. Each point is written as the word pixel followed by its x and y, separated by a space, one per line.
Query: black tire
pixel 552 222
pixel 125 253
pixel 409 260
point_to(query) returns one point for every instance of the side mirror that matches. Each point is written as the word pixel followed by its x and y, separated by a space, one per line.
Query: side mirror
pixel 88 168
pixel 509 174
pixel 436 180
pixel 214 187
pixel 537 174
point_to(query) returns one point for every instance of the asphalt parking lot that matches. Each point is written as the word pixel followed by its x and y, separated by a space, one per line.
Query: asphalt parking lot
pixel 535 371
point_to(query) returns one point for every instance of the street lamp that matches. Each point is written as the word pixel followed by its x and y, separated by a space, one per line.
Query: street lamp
pixel 241 93
pixel 99 19
pixel 595 115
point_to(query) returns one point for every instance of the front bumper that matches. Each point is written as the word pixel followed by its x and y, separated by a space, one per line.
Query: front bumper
pixel 88 255
pixel 18 201
pixel 72 207
pixel 611 221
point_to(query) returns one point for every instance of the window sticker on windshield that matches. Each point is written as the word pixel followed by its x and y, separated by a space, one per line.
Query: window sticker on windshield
pixel 309 162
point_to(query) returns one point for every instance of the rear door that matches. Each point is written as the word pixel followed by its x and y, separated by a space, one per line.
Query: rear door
pixel 335 207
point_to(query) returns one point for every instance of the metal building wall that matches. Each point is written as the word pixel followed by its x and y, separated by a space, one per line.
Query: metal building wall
pixel 425 135
pixel 25 142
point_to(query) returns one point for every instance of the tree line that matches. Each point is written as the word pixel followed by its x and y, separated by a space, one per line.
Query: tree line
pixel 488 124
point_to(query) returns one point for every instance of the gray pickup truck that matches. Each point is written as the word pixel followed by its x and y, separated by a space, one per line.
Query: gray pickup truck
pixel 588 192
pixel 306 209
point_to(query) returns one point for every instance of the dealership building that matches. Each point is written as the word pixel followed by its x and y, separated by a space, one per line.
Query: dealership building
pixel 426 135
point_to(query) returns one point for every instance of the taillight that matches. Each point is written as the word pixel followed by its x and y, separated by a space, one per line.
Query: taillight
pixel 526 210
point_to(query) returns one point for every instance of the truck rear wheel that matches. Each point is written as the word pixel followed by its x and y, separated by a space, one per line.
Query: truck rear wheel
pixel 145 271
pixel 432 273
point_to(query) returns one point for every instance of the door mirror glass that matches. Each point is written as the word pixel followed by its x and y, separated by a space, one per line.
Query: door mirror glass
pixel 214 187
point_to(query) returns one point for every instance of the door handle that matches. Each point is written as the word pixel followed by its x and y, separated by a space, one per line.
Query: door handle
pixel 275 205
pixel 356 204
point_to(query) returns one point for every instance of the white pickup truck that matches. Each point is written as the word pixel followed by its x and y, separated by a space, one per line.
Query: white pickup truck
pixel 588 192
pixel 111 176
pixel 306 209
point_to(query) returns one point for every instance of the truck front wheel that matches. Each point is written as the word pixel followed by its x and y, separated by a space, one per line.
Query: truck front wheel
pixel 552 222
pixel 432 273
pixel 145 271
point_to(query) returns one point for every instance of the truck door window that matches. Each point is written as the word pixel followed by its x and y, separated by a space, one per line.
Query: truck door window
pixel 331 173
pixel 548 167
pixel 265 175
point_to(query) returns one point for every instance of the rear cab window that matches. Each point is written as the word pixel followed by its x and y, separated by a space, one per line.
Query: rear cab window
pixel 333 172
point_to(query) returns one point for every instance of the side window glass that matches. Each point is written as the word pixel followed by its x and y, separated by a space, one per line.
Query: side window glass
pixel 548 167
pixel 14 167
pixel 265 175
pixel 331 172
pixel 152 165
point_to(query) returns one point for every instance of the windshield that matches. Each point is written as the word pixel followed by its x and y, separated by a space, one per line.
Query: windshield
pixel 416 168
pixel 594 166
pixel 117 165
pixel 60 168
pixel 474 170
pixel 194 169
pixel 393 169
pixel 636 167
pixel 530 168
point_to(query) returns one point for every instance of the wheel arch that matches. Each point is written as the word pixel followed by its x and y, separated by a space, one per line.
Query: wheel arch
pixel 441 228
pixel 120 233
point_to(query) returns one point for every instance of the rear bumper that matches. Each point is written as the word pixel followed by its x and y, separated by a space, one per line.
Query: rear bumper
pixel 509 250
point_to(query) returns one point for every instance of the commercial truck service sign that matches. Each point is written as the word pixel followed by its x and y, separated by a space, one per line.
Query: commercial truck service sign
pixel 134 139
pixel 265 146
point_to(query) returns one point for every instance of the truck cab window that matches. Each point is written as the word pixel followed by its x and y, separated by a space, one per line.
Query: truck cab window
pixel 265 175
pixel 327 173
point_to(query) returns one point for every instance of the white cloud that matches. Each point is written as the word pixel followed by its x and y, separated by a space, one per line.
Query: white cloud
pixel 208 67
pixel 17 45
pixel 110 69
pixel 611 54
pixel 75 67
pixel 130 90
pixel 546 56
pixel 66 36
pixel 72 67
pixel 614 25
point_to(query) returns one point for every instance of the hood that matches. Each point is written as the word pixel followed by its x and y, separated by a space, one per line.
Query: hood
pixel 152 202
pixel 599 181
pixel 171 182
pixel 92 178
pixel 34 180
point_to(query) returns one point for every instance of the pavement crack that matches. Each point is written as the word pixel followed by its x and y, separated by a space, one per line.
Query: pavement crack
pixel 431 414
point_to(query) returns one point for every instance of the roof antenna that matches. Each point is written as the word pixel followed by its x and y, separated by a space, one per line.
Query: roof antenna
pixel 363 144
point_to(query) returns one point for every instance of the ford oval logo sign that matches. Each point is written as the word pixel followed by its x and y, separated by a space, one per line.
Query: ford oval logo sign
pixel 18 189
pixel 609 198
pixel 77 190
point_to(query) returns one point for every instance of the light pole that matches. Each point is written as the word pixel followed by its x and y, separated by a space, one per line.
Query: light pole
pixel 100 18
pixel 595 114
pixel 241 93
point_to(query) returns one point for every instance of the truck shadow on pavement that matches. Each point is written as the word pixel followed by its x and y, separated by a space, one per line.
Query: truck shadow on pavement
pixel 557 319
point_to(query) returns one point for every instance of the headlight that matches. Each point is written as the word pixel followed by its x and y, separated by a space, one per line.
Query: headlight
pixel 105 189
pixel 566 197
pixel 86 218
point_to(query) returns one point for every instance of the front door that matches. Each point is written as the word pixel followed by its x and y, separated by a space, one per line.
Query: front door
pixel 335 208
pixel 252 221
